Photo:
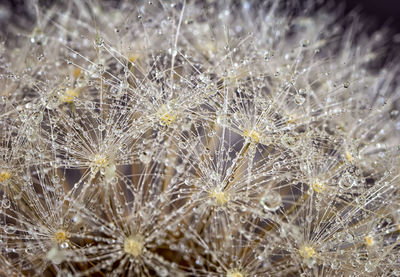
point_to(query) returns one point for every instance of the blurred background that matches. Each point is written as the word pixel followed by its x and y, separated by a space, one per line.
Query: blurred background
pixel 380 11
pixel 375 13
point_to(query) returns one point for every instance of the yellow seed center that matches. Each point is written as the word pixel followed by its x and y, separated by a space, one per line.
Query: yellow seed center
pixel 165 115
pixel 167 118
pixel 60 236
pixel 133 245
pixel 76 72
pixel 369 240
pixel 133 57
pixel 253 135
pixel 234 273
pixel 318 187
pixel 100 160
pixel 348 156
pixel 220 197
pixel 4 175
pixel 68 96
pixel 291 119
pixel 307 252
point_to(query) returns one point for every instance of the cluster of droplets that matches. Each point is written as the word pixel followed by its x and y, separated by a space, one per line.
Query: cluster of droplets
pixel 188 139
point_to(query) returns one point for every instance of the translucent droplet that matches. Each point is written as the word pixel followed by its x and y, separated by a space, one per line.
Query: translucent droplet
pixel 144 158
pixel 394 113
pixel 271 200
pixel 100 68
pixel 9 229
pixel 99 41
pixel 299 99
pixel 305 43
pixel 55 255
pixel 347 180
pixel 6 203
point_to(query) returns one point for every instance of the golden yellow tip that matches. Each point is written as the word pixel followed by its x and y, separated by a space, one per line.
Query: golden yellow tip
pixel 60 236
pixel 348 156
pixel 220 197
pixel 76 72
pixel 133 245
pixel 100 161
pixel 4 175
pixel 68 96
pixel 291 119
pixel 234 273
pixel 133 57
pixel 253 135
pixel 318 186
pixel 369 241
pixel 307 252
pixel 166 117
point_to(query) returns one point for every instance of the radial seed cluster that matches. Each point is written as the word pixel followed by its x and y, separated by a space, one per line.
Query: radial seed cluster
pixel 197 138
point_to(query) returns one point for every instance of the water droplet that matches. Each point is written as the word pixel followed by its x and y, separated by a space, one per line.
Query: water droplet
pixel 271 200
pixel 9 229
pixel 299 99
pixel 6 203
pixel 99 41
pixel 347 180
pixel 305 43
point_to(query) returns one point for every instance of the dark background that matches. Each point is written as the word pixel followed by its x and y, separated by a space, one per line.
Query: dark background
pixel 380 11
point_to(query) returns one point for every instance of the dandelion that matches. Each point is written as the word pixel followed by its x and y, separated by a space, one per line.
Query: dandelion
pixel 155 138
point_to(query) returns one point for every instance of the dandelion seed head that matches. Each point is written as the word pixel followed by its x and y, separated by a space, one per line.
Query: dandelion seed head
pixel 253 135
pixel 100 160
pixel 318 186
pixel 234 273
pixel 5 175
pixel 197 138
pixel 348 156
pixel 307 252
pixel 220 197
pixel 133 57
pixel 166 115
pixel 369 241
pixel 76 72
pixel 69 95
pixel 60 236
pixel 133 245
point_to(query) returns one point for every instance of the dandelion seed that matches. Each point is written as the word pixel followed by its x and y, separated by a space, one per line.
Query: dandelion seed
pixel 220 197
pixel 60 236
pixel 69 95
pixel 318 186
pixel 253 135
pixel 133 245
pixel 166 116
pixel 5 175
pixel 234 273
pixel 307 252
pixel 369 241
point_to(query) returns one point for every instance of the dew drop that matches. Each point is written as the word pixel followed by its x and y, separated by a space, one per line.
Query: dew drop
pixel 299 99
pixel 271 200
pixel 347 180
